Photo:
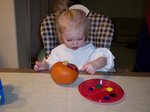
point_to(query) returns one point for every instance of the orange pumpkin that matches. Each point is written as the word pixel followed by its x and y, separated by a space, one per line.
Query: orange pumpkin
pixel 64 72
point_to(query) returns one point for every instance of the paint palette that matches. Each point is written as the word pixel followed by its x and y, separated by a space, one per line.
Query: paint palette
pixel 101 90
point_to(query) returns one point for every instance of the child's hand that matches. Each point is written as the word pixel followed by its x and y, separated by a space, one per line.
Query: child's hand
pixel 39 66
pixel 92 66
pixel 89 67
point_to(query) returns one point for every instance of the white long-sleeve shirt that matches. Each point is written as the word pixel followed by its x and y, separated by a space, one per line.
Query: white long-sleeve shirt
pixel 81 56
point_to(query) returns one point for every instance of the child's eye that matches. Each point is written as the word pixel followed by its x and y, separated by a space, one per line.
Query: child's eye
pixel 80 39
pixel 69 40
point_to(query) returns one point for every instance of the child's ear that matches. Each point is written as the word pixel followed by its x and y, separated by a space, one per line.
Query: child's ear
pixel 61 40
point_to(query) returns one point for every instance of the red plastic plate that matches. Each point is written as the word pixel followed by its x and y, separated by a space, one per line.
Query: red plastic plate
pixel 101 90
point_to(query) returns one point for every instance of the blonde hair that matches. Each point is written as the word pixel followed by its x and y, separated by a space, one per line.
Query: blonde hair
pixel 71 19
pixel 60 5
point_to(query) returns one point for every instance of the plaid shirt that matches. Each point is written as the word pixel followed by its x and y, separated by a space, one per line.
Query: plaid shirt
pixel 101 31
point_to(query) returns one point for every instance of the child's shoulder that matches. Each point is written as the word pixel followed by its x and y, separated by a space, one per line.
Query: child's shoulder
pixel 59 47
pixel 89 46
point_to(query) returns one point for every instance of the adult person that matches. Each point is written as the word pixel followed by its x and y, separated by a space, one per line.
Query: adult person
pixel 142 63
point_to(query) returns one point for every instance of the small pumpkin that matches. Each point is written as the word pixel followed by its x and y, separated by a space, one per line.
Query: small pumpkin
pixel 64 72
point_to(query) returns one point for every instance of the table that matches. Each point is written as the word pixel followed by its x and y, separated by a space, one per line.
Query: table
pixel 28 91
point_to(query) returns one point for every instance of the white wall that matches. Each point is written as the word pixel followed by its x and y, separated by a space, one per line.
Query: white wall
pixel 8 41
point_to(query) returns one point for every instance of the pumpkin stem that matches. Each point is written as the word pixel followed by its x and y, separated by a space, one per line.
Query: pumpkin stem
pixel 65 63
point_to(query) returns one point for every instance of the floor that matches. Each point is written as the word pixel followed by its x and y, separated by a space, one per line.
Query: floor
pixel 124 55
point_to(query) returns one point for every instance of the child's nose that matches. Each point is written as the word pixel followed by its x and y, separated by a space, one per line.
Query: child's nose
pixel 75 42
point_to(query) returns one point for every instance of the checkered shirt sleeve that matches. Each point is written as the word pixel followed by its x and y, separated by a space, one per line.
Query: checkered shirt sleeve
pixel 101 31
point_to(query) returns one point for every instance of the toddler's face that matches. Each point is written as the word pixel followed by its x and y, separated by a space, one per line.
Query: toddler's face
pixel 74 39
